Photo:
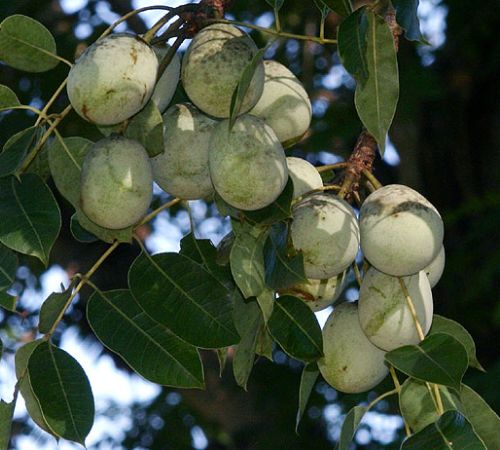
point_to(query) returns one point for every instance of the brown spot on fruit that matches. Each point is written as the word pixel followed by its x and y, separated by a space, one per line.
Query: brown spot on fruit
pixel 85 111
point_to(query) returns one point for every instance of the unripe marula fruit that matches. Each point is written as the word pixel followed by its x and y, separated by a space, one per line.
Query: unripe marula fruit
pixel 113 79
pixel 213 65
pixel 351 363
pixel 325 229
pixel 116 183
pixel 436 268
pixel 247 164
pixel 167 84
pixel 182 168
pixel 304 175
pixel 284 104
pixel 401 231
pixel 384 314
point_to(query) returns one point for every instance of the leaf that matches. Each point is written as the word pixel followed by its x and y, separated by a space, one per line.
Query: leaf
pixel 25 44
pixel 441 324
pixel 377 96
pixel 243 84
pixel 66 157
pixel 418 406
pixel 8 98
pixel 349 427
pixel 80 233
pixel 484 420
pixel 406 17
pixel 439 358
pixel 16 149
pixel 104 234
pixel 222 358
pixel 6 415
pixel 247 259
pixel 8 267
pixel 185 297
pixel 275 4
pixel 8 302
pixel 451 431
pixel 266 303
pixel 281 270
pixel 294 326
pixel 307 381
pixel 148 347
pixel 63 392
pixel 352 45
pixel 52 308
pixel 323 9
pixel 265 342
pixel 146 127
pixel 30 223
pixel 341 7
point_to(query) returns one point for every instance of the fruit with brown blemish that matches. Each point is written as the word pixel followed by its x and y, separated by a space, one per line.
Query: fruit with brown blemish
pixel 351 363
pixel 167 84
pixel 304 175
pixel 116 183
pixel 113 79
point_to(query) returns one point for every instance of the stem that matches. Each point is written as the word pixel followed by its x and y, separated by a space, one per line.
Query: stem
pixel 169 55
pixel 52 99
pixel 277 20
pixel 357 273
pixel 158 210
pixel 156 27
pixel 397 385
pixel 40 114
pixel 372 179
pixel 322 28
pixel 381 397
pixel 327 167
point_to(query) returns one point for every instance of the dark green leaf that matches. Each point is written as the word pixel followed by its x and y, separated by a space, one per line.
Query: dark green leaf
pixel 266 303
pixel 148 347
pixel 281 270
pixel 307 381
pixel 80 233
pixel 104 234
pixel 349 427
pixel 341 7
pixel 26 44
pixel 439 358
pixel 186 298
pixel 323 9
pixel 6 415
pixel 8 98
pixel 484 420
pixel 451 431
pixel 8 267
pixel 243 84
pixel 63 392
pixel 52 308
pixel 265 342
pixel 406 17
pixel 222 358
pixel 147 128
pixel 377 96
pixel 352 45
pixel 443 325
pixel 30 223
pixel 295 328
pixel 275 4
pixel 225 209
pixel 16 149
pixel 8 302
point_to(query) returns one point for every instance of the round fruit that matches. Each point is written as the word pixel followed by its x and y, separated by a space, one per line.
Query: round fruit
pixel 116 183
pixel 113 79
pixel 247 164
pixel 401 231
pixel 384 314
pixel 182 168
pixel 167 84
pixel 284 104
pixel 351 363
pixel 435 269
pixel 325 230
pixel 319 294
pixel 304 175
pixel 213 65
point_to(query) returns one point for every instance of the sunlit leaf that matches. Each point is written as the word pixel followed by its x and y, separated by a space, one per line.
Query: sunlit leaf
pixel 266 303
pixel 307 381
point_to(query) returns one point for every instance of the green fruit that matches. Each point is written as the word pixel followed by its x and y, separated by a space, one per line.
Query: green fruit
pixel 325 230
pixel 436 268
pixel 304 175
pixel 116 183
pixel 284 104
pixel 384 314
pixel 247 164
pixel 401 231
pixel 167 84
pixel 351 363
pixel 182 168
pixel 213 66
pixel 113 79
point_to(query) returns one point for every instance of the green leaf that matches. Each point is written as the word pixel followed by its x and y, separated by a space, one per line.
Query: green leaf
pixel 52 308
pixel 266 303
pixel 307 381
pixel 66 157
pixel 80 233
pixel 275 4
pixel 281 270
pixel 441 324
pixel 341 7
pixel 6 415
pixel 222 354
pixel 451 431
pixel 439 358
pixel 406 17
pixel 30 223
pixel 247 259
pixel 146 127
pixel 349 427
pixel 352 44
pixel 16 149
pixel 484 420
pixel 148 347
pixel 295 328
pixel 243 84
pixel 8 302
pixel 8 267
pixel 26 44
pixel 182 295
pixel 104 234
pixel 418 406
pixel 265 342
pixel 323 9
pixel 8 98
pixel 377 96
pixel 63 392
